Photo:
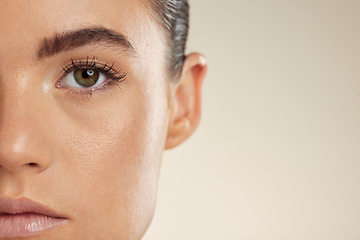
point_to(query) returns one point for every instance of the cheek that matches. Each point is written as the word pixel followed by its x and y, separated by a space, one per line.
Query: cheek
pixel 111 148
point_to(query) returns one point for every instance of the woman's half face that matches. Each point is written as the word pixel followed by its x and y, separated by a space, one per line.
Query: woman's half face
pixel 83 116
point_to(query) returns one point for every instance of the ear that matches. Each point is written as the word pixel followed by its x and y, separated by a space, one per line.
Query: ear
pixel 186 100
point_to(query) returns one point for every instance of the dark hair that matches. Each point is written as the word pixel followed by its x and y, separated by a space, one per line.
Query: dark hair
pixel 173 15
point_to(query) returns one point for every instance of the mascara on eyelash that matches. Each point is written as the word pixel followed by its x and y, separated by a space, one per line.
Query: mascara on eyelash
pixel 109 71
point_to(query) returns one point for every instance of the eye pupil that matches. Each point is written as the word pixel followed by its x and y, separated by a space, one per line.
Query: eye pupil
pixel 87 74
pixel 86 77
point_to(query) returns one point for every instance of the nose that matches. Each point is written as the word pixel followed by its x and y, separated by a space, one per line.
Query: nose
pixel 24 145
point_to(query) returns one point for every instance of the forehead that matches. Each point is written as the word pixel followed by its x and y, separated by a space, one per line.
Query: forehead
pixel 27 23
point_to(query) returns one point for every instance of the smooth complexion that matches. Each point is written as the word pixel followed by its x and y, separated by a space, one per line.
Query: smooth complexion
pixel 92 156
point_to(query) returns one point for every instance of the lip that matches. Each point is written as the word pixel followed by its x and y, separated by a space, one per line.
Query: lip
pixel 24 217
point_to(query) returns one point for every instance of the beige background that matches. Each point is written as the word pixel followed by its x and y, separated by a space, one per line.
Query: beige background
pixel 277 154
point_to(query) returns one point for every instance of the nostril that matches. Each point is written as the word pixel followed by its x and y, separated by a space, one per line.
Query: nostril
pixel 33 164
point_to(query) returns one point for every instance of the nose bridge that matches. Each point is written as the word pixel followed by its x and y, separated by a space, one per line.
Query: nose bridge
pixel 23 143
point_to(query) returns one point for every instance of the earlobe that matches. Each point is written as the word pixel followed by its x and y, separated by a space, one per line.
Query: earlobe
pixel 186 100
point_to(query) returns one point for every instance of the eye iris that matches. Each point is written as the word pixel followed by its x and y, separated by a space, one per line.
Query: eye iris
pixel 86 77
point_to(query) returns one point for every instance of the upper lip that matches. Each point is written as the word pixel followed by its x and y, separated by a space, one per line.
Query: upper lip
pixel 25 205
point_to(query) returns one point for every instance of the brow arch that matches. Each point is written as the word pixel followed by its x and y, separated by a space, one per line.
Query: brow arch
pixel 66 41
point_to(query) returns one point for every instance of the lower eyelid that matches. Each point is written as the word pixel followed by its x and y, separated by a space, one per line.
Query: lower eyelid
pixel 90 91
pixel 104 87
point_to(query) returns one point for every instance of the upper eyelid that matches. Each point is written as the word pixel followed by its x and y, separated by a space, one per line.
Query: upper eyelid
pixel 104 68
pixel 81 64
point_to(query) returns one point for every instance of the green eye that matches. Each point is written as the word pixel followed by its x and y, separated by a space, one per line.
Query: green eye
pixel 86 77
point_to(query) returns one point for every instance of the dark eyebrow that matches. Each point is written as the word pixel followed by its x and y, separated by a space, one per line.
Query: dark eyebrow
pixel 74 39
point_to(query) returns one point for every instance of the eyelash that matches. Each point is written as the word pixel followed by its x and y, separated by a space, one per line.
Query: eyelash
pixel 113 77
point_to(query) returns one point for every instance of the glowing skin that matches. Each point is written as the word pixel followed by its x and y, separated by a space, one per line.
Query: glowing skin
pixel 95 159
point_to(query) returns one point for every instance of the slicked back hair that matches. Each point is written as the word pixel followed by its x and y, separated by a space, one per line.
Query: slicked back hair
pixel 173 15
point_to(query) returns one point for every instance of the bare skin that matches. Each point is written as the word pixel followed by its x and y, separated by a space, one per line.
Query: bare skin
pixel 92 155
